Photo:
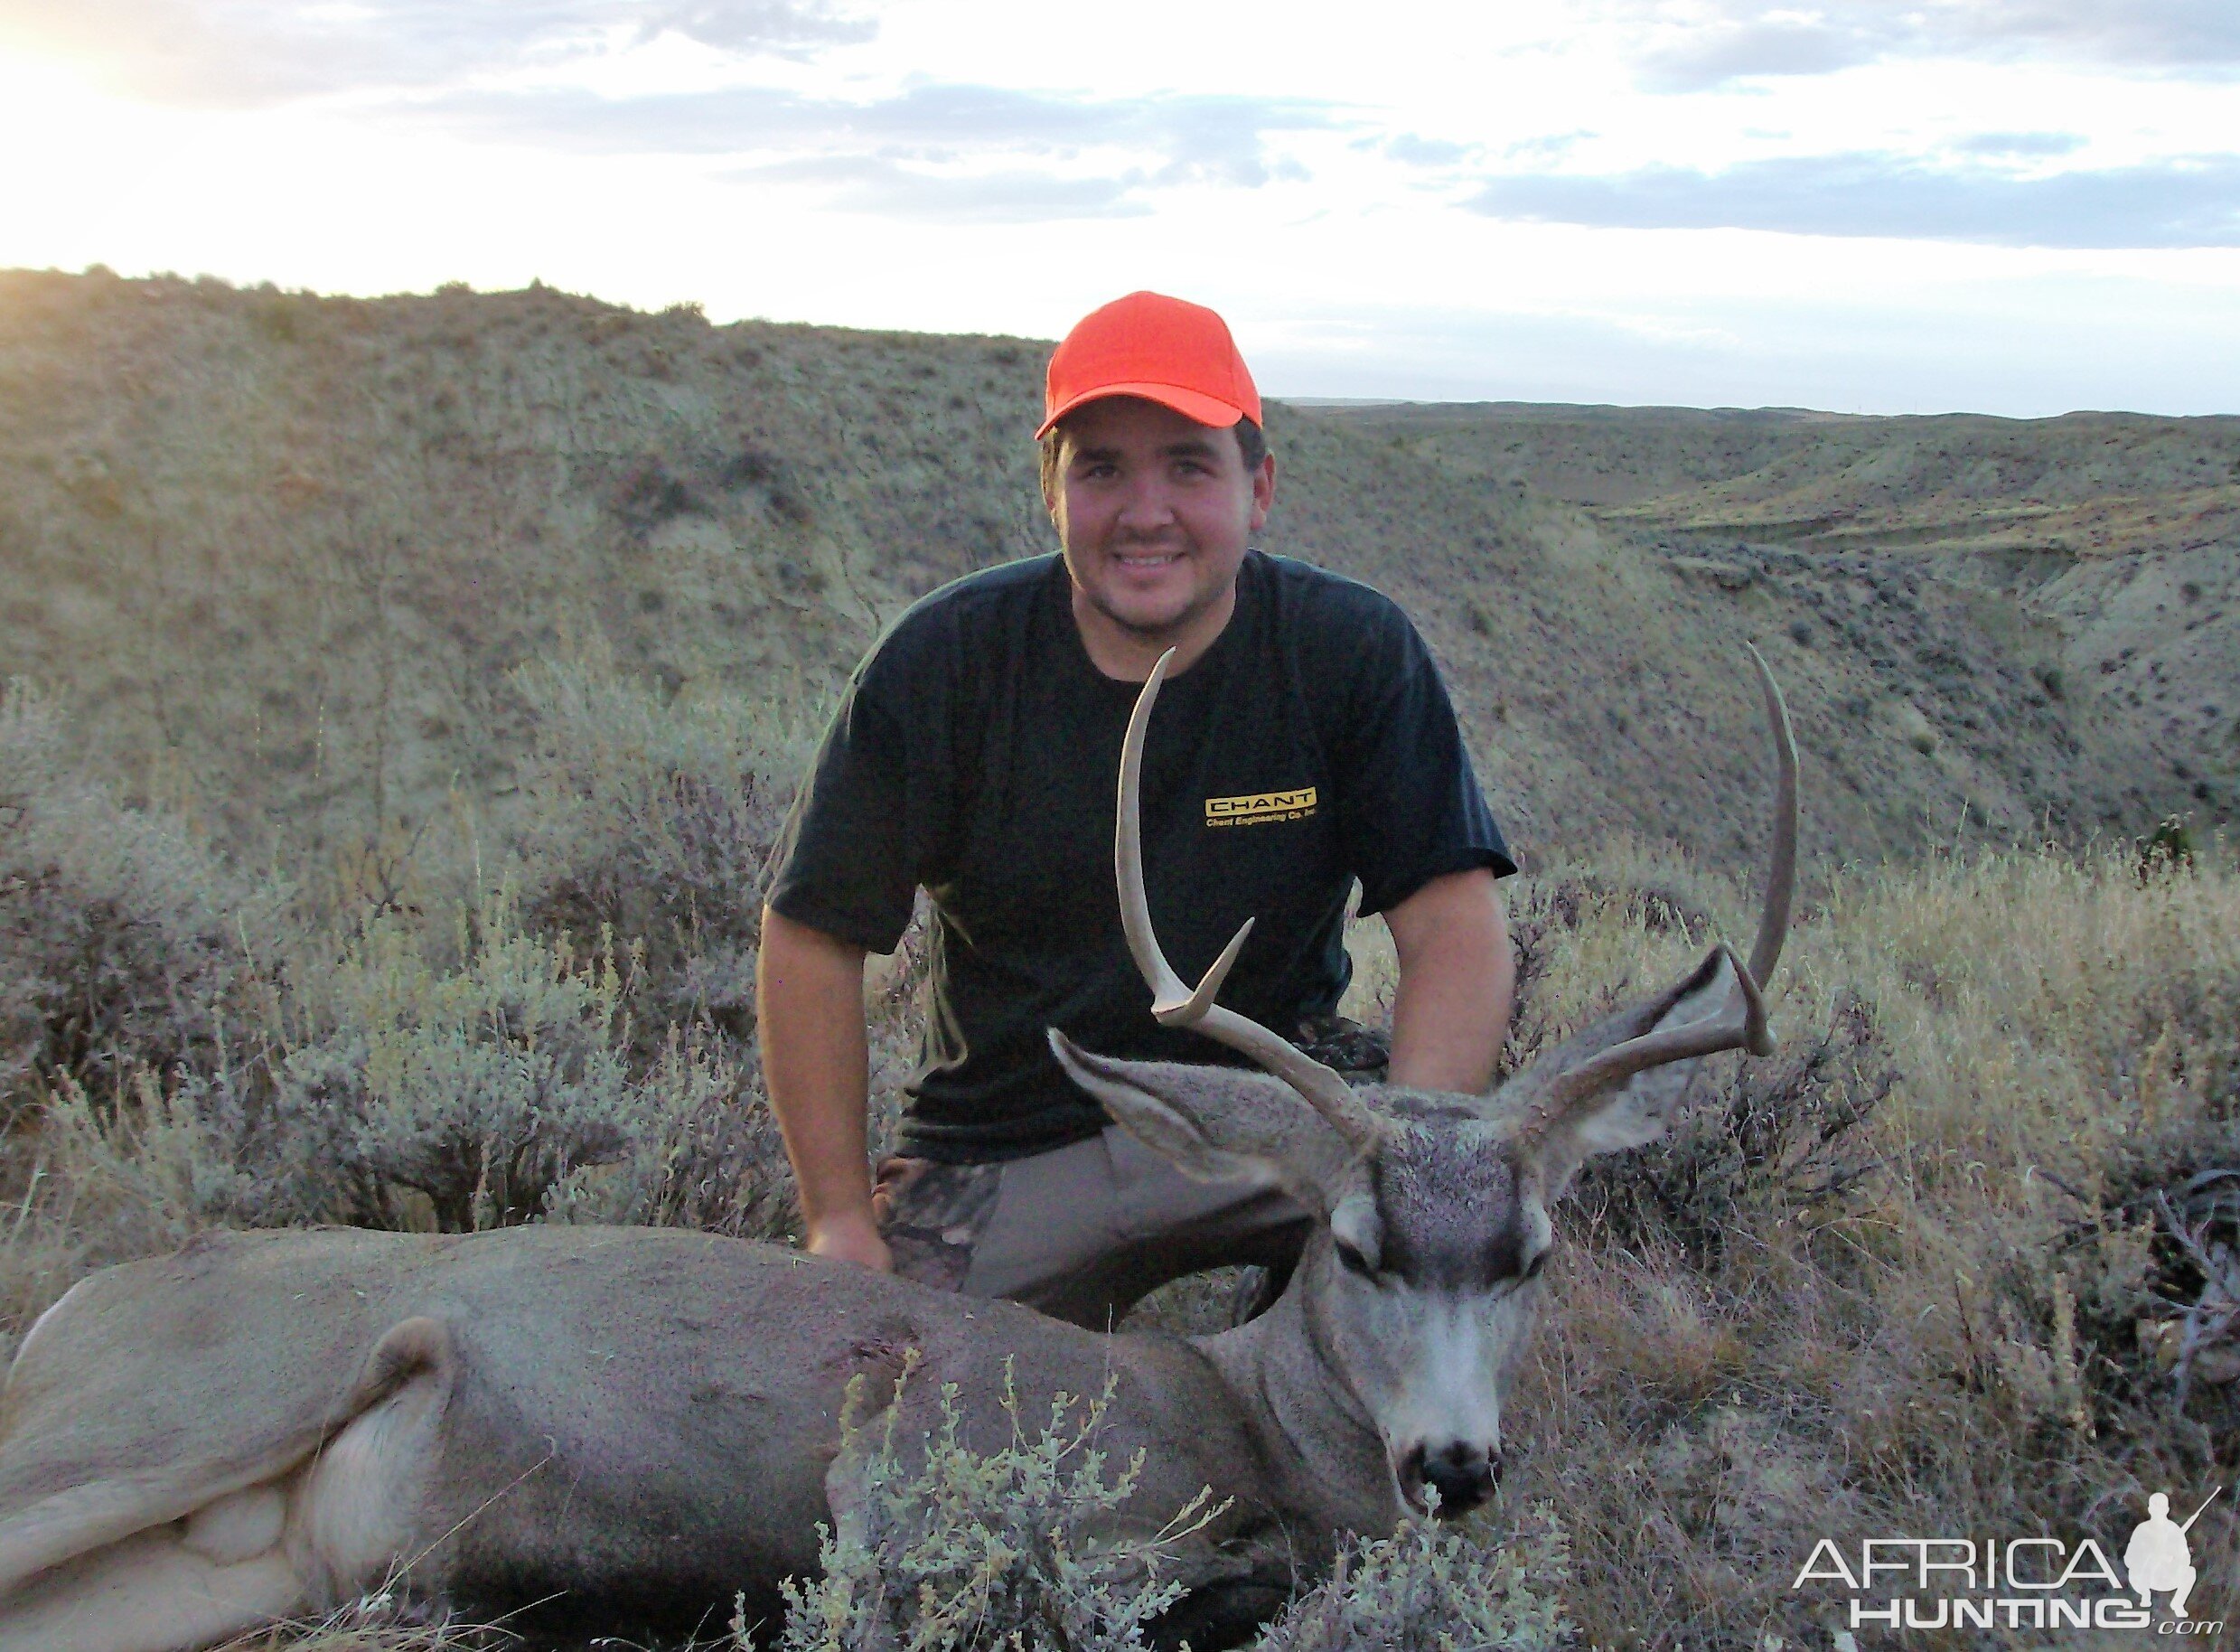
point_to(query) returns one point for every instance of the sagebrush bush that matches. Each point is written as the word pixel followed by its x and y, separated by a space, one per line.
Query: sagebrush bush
pixel 146 1170
pixel 1779 1135
pixel 1434 1587
pixel 500 1089
pixel 943 1549
pixel 422 1096
pixel 653 822
pixel 185 1048
pixel 125 942
pixel 97 1182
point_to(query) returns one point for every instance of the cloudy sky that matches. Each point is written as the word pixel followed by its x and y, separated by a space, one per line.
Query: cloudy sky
pixel 2015 206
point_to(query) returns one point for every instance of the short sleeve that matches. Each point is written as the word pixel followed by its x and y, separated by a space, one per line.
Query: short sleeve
pixel 846 862
pixel 1410 806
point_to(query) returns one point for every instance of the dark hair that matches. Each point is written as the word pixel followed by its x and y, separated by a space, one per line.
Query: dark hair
pixel 1252 445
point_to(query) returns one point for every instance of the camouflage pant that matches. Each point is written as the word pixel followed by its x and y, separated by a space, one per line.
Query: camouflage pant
pixel 1086 1230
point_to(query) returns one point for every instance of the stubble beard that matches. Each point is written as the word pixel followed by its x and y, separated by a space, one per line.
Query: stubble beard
pixel 1170 626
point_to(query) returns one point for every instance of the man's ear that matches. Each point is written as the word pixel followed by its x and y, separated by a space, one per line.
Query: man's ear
pixel 1053 471
pixel 1264 491
pixel 1217 1122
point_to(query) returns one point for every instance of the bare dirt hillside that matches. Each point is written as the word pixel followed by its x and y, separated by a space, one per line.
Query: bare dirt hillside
pixel 2120 531
pixel 280 554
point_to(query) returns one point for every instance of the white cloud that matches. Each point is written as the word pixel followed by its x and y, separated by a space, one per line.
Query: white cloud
pixel 882 188
pixel 247 53
pixel 1087 156
pixel 1854 202
pixel 1694 46
pixel 2016 145
pixel 2188 202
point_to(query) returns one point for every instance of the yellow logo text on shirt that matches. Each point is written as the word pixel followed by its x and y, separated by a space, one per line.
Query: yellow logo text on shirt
pixel 1256 808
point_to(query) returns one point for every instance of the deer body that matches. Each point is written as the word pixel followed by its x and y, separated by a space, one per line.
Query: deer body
pixel 632 1424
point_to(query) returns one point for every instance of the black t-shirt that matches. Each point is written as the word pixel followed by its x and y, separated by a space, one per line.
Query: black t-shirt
pixel 976 754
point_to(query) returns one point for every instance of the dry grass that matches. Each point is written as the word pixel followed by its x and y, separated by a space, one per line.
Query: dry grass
pixel 1757 1339
pixel 1910 1275
pixel 1926 1320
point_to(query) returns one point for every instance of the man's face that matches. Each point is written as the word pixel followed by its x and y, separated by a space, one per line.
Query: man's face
pixel 1154 510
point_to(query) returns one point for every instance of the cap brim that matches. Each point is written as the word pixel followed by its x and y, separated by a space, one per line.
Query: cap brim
pixel 1195 404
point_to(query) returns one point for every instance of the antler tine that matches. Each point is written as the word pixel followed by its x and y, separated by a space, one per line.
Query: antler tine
pixel 1773 921
pixel 1741 1022
pixel 1174 1003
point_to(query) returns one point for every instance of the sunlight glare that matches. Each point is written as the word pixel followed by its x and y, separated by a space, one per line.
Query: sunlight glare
pixel 39 99
pixel 64 135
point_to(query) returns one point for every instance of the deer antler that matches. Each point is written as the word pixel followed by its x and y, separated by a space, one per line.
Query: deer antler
pixel 1738 1023
pixel 1174 1003
pixel 1772 918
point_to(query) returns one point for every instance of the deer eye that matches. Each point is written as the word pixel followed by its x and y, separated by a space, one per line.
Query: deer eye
pixel 1351 1259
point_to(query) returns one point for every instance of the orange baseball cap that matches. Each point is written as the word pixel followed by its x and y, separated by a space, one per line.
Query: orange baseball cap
pixel 1178 354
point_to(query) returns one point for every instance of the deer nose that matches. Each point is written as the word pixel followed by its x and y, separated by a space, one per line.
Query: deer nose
pixel 1462 1474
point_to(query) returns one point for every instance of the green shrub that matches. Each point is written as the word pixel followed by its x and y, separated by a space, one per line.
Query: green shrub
pixel 655 822
pixel 421 1097
pixel 452 1099
pixel 143 1171
pixel 125 941
pixel 497 1091
pixel 944 1548
pixel 1787 1134
pixel 1431 1588
pixel 709 1157
pixel 2168 847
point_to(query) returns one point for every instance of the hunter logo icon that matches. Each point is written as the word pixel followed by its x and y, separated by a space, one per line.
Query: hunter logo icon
pixel 2158 1556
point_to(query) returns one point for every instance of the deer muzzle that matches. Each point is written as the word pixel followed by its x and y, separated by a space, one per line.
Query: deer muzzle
pixel 1462 1472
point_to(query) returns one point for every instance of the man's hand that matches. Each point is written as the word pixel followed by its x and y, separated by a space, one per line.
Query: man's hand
pixel 1450 1012
pixel 850 1235
pixel 817 1063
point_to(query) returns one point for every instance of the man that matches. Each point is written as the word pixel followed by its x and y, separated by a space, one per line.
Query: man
pixel 1304 740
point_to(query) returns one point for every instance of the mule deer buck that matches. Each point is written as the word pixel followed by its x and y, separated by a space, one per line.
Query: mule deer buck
pixel 628 1426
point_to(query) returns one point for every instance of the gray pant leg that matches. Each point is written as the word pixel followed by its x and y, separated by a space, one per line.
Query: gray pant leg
pixel 1086 1232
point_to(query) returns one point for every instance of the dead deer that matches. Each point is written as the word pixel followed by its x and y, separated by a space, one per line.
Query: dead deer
pixel 624 1427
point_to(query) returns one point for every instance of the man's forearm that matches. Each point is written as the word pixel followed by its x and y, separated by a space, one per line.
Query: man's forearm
pixel 816 1063
pixel 1450 1010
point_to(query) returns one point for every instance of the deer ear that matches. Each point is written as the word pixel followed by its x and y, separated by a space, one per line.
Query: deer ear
pixel 1635 1112
pixel 1214 1122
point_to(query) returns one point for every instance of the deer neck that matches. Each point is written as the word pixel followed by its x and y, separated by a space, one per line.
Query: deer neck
pixel 1321 1447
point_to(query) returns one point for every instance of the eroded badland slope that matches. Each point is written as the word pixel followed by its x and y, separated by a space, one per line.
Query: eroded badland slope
pixel 280 554
pixel 2119 531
